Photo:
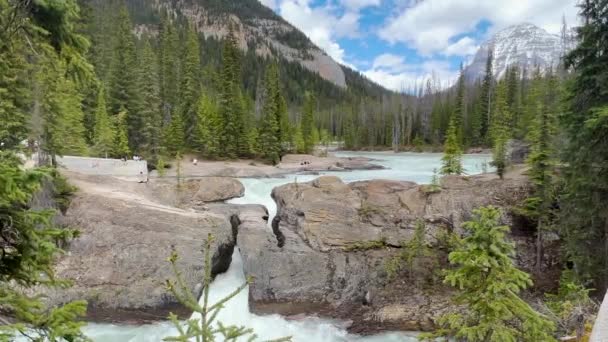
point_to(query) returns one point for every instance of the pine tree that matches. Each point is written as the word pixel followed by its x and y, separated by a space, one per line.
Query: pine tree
pixel 209 128
pixel 585 203
pixel 59 117
pixel 541 161
pixel 169 69
pixel 14 92
pixel 308 125
pixel 103 134
pixel 174 137
pixel 121 138
pixel 452 154
pixel 151 115
pixel 460 106
pixel 269 133
pixel 124 83
pixel 489 285
pixel 501 129
pixel 486 97
pixel 514 100
pixel 190 87
pixel 499 152
pixel 298 140
pixel 231 107
pixel 31 240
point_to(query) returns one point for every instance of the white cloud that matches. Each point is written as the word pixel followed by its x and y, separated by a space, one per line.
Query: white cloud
pixel 428 26
pixel 392 72
pixel 358 4
pixel 466 46
pixel 322 25
pixel 389 62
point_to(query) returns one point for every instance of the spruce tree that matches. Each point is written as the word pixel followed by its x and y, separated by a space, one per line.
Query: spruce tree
pixel 59 118
pixel 460 106
pixel 585 203
pixel 489 283
pixel 151 115
pixel 308 124
pixel 124 83
pixel 103 133
pixel 169 69
pixel 208 129
pixel 31 240
pixel 541 161
pixel 486 97
pixel 299 144
pixel 14 91
pixel 452 153
pixel 233 138
pixel 121 138
pixel 269 133
pixel 501 129
pixel 174 137
pixel 190 87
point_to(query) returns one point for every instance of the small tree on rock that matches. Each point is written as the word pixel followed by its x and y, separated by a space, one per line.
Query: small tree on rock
pixel 452 158
pixel 489 285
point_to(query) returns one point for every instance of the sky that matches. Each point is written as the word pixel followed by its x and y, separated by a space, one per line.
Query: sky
pixel 399 43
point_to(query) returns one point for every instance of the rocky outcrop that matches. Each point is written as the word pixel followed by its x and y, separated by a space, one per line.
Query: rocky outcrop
pixel 118 262
pixel 266 33
pixel 307 162
pixel 307 264
pixel 195 192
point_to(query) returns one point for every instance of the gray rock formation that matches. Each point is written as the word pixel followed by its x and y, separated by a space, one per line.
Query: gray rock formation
pixel 118 263
pixel 265 33
pixel 306 263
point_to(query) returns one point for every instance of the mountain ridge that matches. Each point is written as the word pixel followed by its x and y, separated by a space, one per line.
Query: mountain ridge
pixel 524 44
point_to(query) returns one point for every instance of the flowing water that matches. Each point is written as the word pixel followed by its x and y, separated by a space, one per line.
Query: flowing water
pixel 417 167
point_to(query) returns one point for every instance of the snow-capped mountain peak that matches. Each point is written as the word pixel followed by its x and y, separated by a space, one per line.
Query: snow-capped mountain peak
pixel 525 45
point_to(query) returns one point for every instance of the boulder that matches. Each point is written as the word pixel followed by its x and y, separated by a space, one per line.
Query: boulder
pixel 118 263
pixel 305 262
pixel 212 189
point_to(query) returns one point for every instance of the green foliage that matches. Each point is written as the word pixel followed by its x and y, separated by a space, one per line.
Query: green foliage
pixel 499 154
pixel 489 285
pixel 274 117
pixel 103 134
pixel 308 125
pixel 174 138
pixel 121 139
pixel 206 328
pixel 366 245
pixel 151 115
pixel 435 185
pixel 418 144
pixel 233 138
pixel 416 257
pixel 208 129
pixel 298 140
pixel 571 307
pixel 452 158
pixel 190 87
pixel 28 257
pixel 584 203
pixel 60 124
pixel 161 166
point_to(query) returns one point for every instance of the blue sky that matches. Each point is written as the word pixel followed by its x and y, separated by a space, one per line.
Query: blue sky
pixel 399 43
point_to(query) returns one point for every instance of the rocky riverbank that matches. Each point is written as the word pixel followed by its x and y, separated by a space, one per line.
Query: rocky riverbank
pixel 326 253
pixel 331 242
pixel 291 163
